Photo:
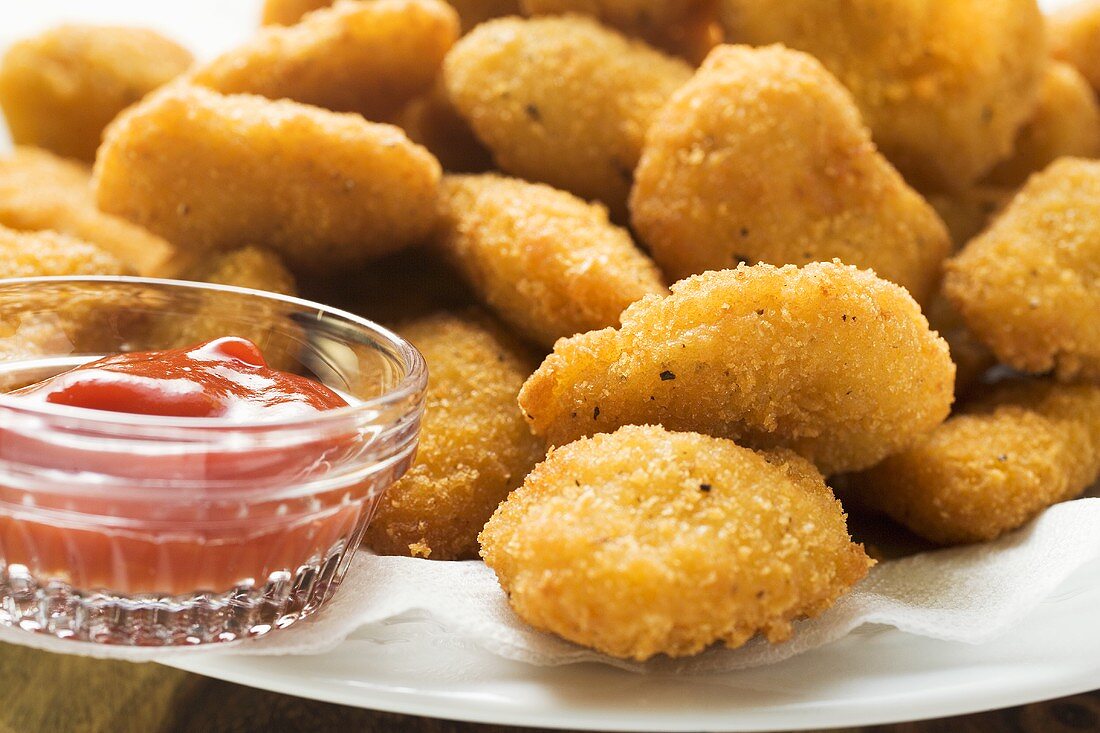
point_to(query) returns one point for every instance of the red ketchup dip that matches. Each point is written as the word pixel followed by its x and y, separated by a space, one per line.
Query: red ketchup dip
pixel 226 378
pixel 244 532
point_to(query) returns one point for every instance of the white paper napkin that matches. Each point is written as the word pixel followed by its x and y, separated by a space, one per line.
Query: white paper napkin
pixel 968 595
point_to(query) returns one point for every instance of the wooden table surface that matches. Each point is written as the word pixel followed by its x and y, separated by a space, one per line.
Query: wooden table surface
pixel 48 692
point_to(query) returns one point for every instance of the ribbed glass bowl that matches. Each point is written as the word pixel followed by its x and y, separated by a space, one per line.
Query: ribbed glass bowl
pixel 147 530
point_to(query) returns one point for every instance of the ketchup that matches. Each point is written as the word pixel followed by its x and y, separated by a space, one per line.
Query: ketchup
pixel 227 377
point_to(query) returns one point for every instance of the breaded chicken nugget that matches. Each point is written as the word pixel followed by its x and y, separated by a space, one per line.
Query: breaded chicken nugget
pixel 827 360
pixel 670 24
pixel 59 90
pixel 996 466
pixel 562 100
pixel 32 254
pixel 432 121
pixel 646 542
pixel 289 12
pixel 762 156
pixel 39 191
pixel 367 57
pixel 1066 123
pixel 944 86
pixel 1074 33
pixel 474 444
pixel 1028 286
pixel 546 262
pixel 967 212
pixel 324 190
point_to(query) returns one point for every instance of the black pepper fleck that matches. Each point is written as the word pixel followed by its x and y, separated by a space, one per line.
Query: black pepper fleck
pixel 533 112
pixel 666 375
pixel 596 412
pixel 705 488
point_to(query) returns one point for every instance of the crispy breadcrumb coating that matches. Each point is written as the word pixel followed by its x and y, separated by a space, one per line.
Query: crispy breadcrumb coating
pixel 474 444
pixel 646 542
pixel 1029 286
pixel 324 190
pixel 996 466
pixel 762 156
pixel 58 90
pixel 39 191
pixel 366 57
pixel 34 254
pixel 944 86
pixel 1066 123
pixel 546 262
pixel 1074 33
pixel 562 100
pixel 827 360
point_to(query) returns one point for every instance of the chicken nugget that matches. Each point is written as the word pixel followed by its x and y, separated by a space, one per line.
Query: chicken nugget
pixel 968 212
pixel 1028 287
pixel 546 262
pixel 1074 33
pixel 39 191
pixel 944 86
pixel 59 89
pixel 470 12
pixel 432 121
pixel 474 444
pixel 994 467
pixel 289 12
pixel 762 156
pixel 670 24
pixel 367 57
pixel 324 190
pixel 33 254
pixel 827 360
pixel 646 542
pixel 562 100
pixel 1066 123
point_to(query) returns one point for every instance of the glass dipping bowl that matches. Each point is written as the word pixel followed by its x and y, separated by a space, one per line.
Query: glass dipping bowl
pixel 159 531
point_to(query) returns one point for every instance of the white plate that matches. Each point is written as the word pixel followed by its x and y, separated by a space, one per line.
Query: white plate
pixel 877 675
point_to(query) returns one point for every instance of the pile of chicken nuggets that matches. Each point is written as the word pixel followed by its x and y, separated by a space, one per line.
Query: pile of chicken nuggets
pixel 677 268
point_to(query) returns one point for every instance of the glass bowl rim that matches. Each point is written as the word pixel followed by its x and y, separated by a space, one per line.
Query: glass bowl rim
pixel 412 384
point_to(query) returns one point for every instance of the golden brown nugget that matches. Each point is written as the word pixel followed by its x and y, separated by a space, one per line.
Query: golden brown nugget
pixel 647 542
pixel 762 157
pixel 827 360
pixel 562 100
pixel 996 466
pixel 944 86
pixel 546 262
pixel 1074 33
pixel 59 90
pixel 474 444
pixel 432 121
pixel 1066 123
pixel 367 57
pixel 289 12
pixel 324 190
pixel 39 191
pixel 968 212
pixel 1028 286
pixel 670 24
pixel 34 254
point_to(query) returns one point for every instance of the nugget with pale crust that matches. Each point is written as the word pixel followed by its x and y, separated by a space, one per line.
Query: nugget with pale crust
pixel 1074 33
pixel 827 360
pixel 562 100
pixel 944 86
pixel 367 57
pixel 474 444
pixel 324 190
pixel 59 89
pixel 39 191
pixel 546 262
pixel 1066 123
pixel 647 542
pixel 1029 286
pixel 996 466
pixel 33 254
pixel 762 157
